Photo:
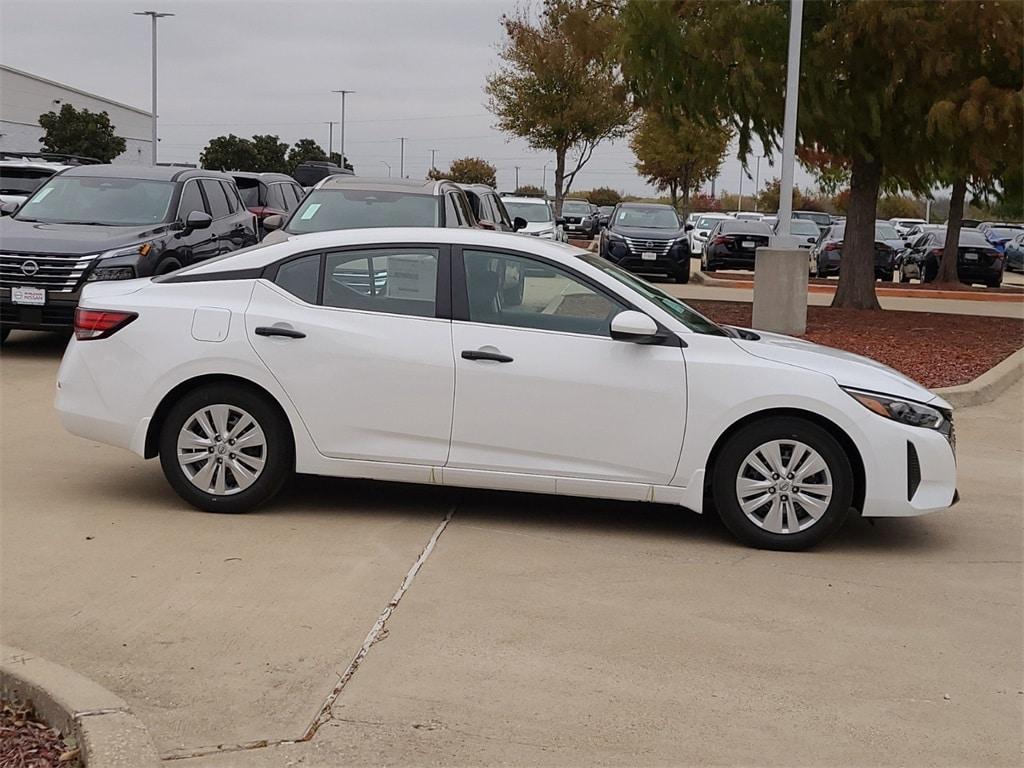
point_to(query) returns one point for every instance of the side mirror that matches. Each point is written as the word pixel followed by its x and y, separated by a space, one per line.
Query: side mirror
pixel 272 222
pixel 688 228
pixel 486 224
pixel 636 327
pixel 6 209
pixel 560 221
pixel 198 220
pixel 518 223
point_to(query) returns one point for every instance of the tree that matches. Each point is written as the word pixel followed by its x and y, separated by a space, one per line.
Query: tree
pixel 80 132
pixel 867 84
pixel 529 190
pixel 228 153
pixel 678 154
pixel 602 196
pixel 468 170
pixel 899 207
pixel 302 151
pixel 704 203
pixel 270 154
pixel 559 87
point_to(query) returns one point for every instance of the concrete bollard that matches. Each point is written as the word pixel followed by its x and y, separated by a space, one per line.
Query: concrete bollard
pixel 780 290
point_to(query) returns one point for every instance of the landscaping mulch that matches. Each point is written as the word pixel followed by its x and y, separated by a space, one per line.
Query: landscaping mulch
pixel 936 350
pixel 748 277
pixel 27 742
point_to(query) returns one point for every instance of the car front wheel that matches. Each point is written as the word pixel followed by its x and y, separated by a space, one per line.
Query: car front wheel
pixel 226 448
pixel 782 483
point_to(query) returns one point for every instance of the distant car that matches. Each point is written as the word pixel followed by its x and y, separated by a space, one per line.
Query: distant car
pixel 352 202
pixel 770 221
pixel 827 253
pixel 604 214
pixel 647 238
pixel 974 223
pixel 268 194
pixel 538 215
pixel 579 219
pixel 699 234
pixel 1000 233
pixel 311 172
pixel 733 244
pixel 977 260
pixel 22 173
pixel 918 229
pixel 903 225
pixel 823 220
pixel 111 222
pixel 806 232
pixel 490 212
pixel 747 215
pixel 1014 254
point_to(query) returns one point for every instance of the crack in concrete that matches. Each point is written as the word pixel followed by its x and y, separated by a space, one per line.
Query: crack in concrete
pixel 324 713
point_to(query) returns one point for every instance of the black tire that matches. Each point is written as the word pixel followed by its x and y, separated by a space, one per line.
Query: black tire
pixel 167 265
pixel 278 455
pixel 994 283
pixel 745 441
pixel 903 277
pixel 4 333
pixel 682 277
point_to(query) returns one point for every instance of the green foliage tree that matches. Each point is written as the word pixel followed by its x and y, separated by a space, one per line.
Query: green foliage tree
pixel 871 73
pixel 678 154
pixel 559 86
pixel 271 154
pixel 601 196
pixel 530 190
pixel 467 170
pixel 899 206
pixel 80 132
pixel 302 151
pixel 228 153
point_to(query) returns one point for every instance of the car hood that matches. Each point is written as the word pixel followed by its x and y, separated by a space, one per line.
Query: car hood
pixel 848 369
pixel 647 233
pixel 40 238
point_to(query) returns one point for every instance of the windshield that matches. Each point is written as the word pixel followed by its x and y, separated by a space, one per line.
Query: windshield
pixel 886 232
pixel 99 200
pixel 22 181
pixel 327 209
pixel 707 222
pixel 688 316
pixel 576 207
pixel 1003 232
pixel 803 227
pixel 653 218
pixel 537 213
pixel 821 219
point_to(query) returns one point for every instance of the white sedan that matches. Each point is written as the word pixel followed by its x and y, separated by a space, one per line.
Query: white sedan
pixel 478 359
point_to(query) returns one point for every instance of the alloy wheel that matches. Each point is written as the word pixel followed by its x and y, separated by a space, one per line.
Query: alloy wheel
pixel 221 449
pixel 784 486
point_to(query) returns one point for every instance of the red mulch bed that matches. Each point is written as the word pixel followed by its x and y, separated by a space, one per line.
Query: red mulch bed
pixel 749 277
pixel 27 742
pixel 937 350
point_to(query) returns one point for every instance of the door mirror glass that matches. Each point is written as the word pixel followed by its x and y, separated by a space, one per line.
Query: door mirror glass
pixel 635 327
pixel 518 223
pixel 198 220
pixel 272 222
pixel 6 209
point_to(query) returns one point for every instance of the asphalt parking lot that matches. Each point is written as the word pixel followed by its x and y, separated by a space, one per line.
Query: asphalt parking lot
pixel 537 631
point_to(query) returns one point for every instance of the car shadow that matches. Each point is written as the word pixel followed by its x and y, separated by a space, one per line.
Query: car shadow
pixel 27 345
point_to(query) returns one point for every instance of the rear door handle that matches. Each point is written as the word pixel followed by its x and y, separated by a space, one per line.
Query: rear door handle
pixel 479 354
pixel 274 330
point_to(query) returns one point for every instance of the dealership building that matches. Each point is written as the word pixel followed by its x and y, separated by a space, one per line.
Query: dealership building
pixel 24 97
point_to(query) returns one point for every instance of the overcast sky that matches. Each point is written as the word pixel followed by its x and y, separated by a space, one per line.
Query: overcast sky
pixel 243 67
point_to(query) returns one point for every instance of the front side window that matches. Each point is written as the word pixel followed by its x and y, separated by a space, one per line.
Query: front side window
pixel 232 196
pixel 466 217
pixel 503 289
pixel 396 280
pixel 215 197
pixel 328 209
pixel 191 200
pixel 100 200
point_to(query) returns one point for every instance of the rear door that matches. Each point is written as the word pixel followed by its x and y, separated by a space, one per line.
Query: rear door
pixel 359 341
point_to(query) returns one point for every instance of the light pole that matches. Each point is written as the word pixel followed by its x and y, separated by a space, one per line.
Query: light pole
pixel 739 204
pixel 796 17
pixel 154 15
pixel 517 177
pixel 330 139
pixel 401 165
pixel 757 181
pixel 432 153
pixel 388 166
pixel 341 128
pixel 544 183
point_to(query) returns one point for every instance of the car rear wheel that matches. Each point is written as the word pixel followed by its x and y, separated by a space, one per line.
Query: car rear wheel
pixel 226 448
pixel 782 483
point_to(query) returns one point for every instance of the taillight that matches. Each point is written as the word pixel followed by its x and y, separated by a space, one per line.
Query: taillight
pixel 834 246
pixel 722 240
pixel 936 252
pixel 100 323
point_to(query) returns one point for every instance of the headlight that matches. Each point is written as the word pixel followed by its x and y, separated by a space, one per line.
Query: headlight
pixel 111 273
pixel 612 236
pixel 903 411
pixel 120 272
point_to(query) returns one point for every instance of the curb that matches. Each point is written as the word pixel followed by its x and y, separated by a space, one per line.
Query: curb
pixel 988 386
pixel 107 732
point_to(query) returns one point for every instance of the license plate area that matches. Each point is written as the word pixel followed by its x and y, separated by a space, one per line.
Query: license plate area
pixel 35 297
pixel 648 256
pixel 748 244
pixel 969 256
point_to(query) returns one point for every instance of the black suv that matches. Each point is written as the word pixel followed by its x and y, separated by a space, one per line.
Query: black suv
pixel 111 222
pixel 580 219
pixel 647 238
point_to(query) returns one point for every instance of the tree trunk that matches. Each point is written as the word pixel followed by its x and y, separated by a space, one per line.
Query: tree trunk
pixel 685 189
pixel 673 193
pixel 559 180
pixel 857 267
pixel 947 265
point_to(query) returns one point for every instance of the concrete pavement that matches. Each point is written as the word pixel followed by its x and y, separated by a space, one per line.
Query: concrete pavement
pixel 538 631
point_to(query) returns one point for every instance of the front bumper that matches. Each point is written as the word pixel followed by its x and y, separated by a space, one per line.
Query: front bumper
pixel 675 262
pixel 57 314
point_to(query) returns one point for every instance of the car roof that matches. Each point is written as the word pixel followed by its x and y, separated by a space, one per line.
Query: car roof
pixel 412 186
pixel 268 176
pixel 646 205
pixel 477 187
pixel 147 172
pixel 39 165
pixel 715 215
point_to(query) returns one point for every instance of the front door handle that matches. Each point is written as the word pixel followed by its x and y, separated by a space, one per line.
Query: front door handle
pixel 479 354
pixel 274 330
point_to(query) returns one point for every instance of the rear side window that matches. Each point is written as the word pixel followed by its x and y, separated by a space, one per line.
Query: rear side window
pixel 400 281
pixel 216 198
pixel 301 277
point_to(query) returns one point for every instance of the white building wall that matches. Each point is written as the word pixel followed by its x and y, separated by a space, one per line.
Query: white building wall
pixel 24 97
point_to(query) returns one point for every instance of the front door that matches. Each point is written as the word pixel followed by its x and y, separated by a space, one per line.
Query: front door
pixel 541 387
pixel 372 373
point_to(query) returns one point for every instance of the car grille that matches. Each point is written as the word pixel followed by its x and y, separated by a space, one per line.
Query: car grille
pixel 58 274
pixel 657 247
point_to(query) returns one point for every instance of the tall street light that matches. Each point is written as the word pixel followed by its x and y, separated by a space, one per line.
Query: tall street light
pixel 401 163
pixel 796 16
pixel 154 15
pixel 341 128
